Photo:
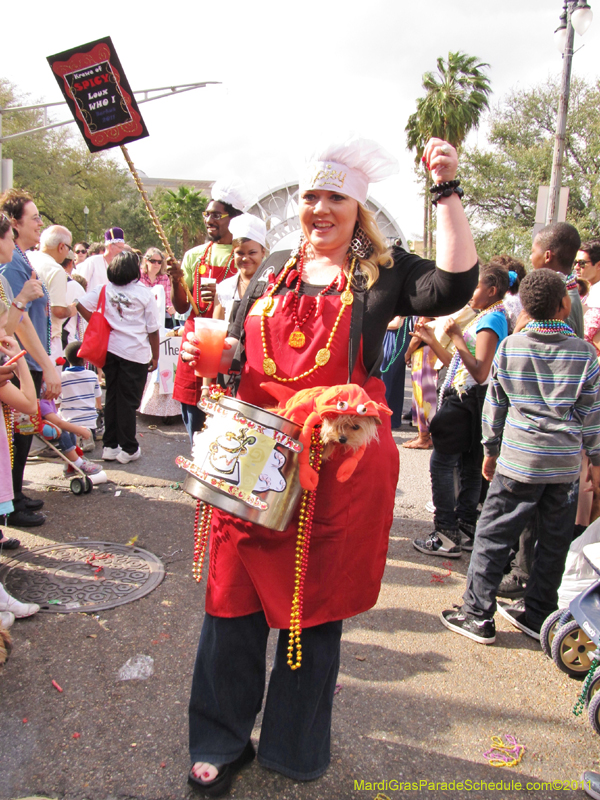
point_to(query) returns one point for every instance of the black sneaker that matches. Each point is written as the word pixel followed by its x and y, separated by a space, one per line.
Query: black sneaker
pixel 515 613
pixel 480 630
pixel 25 519
pixel 439 544
pixel 30 504
pixel 512 586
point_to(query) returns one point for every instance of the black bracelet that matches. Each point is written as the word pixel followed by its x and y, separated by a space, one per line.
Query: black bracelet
pixel 446 193
pixel 440 187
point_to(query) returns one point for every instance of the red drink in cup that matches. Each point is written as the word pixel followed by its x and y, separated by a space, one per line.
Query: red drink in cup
pixel 210 337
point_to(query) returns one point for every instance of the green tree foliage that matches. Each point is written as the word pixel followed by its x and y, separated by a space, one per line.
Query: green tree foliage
pixel 456 96
pixel 181 215
pixel 63 177
pixel 501 182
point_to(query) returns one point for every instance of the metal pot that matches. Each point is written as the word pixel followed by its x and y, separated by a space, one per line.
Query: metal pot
pixel 245 462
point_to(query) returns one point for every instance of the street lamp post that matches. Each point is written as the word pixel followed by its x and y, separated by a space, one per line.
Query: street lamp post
pixel 576 17
pixel 86 211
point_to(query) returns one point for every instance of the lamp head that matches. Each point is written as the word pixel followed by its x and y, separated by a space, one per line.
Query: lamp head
pixel 581 17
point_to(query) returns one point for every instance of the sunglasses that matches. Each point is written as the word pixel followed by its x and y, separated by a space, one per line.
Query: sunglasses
pixel 581 263
pixel 214 215
pixel 154 260
pixel 80 252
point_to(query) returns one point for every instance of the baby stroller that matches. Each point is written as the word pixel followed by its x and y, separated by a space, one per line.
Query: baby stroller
pixel 45 432
pixel 574 637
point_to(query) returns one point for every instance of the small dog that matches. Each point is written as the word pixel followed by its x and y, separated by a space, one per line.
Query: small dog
pixel 346 414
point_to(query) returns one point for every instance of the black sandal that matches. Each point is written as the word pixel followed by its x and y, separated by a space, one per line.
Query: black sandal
pixel 221 784
pixel 9 544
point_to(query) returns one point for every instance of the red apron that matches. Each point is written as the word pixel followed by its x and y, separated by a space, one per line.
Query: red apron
pixel 187 387
pixel 252 568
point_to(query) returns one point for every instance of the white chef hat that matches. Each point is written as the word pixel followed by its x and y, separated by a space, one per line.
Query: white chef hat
pixel 348 166
pixel 247 226
pixel 232 191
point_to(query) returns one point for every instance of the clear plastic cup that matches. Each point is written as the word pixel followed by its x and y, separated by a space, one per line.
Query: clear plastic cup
pixel 210 337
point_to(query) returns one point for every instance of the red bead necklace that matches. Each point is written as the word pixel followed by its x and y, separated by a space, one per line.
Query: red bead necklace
pixel 297 338
pixel 201 269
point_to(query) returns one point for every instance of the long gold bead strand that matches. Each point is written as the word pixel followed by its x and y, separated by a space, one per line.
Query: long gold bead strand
pixel 305 522
pixel 202 523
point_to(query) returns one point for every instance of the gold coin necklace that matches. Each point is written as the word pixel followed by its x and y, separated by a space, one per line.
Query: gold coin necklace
pixel 324 354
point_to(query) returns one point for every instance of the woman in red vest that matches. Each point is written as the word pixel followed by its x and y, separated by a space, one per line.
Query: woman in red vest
pixel 317 319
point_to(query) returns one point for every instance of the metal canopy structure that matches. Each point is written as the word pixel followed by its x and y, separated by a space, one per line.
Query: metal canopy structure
pixel 142 96
pixel 279 209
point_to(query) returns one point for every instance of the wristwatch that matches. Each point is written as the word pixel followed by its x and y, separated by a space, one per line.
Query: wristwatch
pixel 19 305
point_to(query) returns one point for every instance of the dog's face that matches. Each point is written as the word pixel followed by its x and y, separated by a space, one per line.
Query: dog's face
pixel 350 430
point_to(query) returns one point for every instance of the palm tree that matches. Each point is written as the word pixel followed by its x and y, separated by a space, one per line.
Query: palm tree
pixel 457 95
pixel 181 213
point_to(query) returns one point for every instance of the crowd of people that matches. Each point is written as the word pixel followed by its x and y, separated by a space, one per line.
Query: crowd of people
pixel 505 396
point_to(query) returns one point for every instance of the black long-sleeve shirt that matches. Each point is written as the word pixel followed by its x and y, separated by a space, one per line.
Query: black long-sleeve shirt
pixel 412 286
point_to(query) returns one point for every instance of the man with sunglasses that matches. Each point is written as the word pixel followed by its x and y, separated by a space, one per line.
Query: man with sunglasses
pixel 93 269
pixel 212 260
pixel 587 266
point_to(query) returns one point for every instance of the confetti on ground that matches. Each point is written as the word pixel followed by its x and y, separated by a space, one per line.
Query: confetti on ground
pixel 76 735
pixel 56 686
pixel 338 688
pixel 504 755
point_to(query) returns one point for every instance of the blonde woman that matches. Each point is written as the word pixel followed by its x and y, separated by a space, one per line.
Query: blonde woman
pixel 153 272
pixel 317 318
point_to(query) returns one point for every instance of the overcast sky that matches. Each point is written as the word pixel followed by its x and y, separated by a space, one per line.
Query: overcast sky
pixel 289 71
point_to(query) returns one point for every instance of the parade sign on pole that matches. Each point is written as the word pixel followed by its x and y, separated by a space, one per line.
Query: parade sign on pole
pixel 94 85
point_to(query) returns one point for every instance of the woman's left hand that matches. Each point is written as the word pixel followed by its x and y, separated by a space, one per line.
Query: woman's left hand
pixel 441 159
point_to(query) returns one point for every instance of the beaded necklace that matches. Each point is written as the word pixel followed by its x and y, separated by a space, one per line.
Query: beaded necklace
pixel 297 338
pixel 549 326
pixel 201 269
pixel 323 355
pixel 571 281
pixel 48 318
pixel 7 411
pixel 456 359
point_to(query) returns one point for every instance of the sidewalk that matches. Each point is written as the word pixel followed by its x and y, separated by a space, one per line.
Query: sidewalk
pixel 416 702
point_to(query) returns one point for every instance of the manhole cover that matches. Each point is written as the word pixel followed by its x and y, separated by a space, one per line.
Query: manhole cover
pixel 82 576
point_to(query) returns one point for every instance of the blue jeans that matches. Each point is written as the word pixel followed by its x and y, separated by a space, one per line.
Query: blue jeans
pixel 447 510
pixel 193 419
pixel 67 441
pixel 228 687
pixel 509 506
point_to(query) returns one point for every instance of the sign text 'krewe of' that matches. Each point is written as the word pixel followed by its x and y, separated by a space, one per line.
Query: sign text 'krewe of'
pixel 94 85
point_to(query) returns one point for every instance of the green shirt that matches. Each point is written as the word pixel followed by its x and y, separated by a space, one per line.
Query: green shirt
pixel 219 256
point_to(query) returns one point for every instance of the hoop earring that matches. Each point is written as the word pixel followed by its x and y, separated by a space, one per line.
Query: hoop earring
pixel 361 245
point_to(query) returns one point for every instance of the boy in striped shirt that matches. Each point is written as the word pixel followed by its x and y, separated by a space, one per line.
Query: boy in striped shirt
pixel 541 410
pixel 81 396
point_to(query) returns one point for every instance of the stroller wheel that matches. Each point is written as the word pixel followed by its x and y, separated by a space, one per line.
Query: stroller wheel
pixel 594 712
pixel 88 486
pixel 572 649
pixel 593 688
pixel 77 486
pixel 549 628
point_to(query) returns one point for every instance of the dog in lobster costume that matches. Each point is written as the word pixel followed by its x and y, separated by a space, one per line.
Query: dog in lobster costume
pixel 346 414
